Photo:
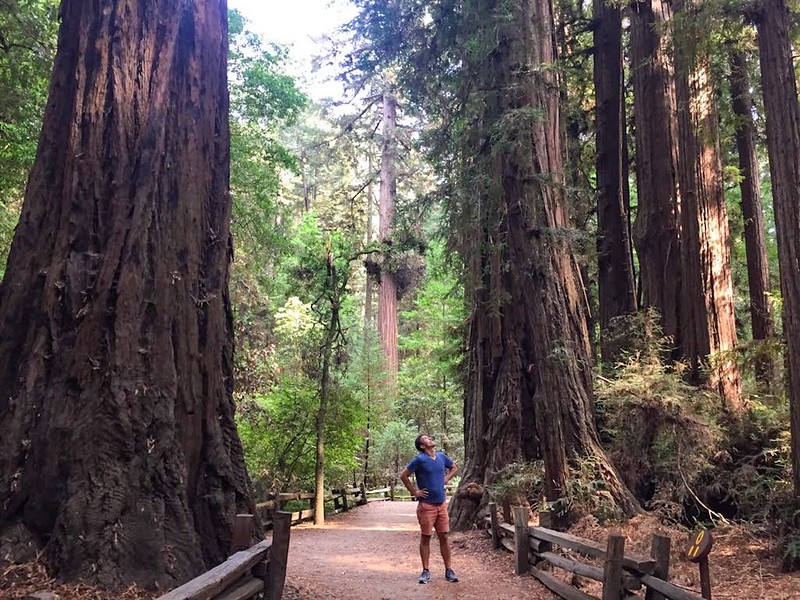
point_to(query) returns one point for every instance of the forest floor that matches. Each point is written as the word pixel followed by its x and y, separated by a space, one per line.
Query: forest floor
pixel 371 553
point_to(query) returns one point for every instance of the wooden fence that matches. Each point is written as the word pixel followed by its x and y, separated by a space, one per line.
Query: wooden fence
pixel 622 572
pixel 343 500
pixel 254 572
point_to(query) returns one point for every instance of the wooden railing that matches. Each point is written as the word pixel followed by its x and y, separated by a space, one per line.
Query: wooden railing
pixel 621 571
pixel 251 572
pixel 343 500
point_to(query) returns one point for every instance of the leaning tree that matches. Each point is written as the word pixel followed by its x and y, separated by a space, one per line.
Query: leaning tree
pixel 119 453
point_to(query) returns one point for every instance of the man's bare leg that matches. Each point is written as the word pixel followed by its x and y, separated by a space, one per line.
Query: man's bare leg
pixel 425 550
pixel 444 546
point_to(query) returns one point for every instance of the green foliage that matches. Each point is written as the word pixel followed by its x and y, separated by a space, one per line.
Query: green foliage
pixel 309 332
pixel 264 100
pixel 278 435
pixel 28 31
pixel 393 449
pixel 430 386
pixel 519 483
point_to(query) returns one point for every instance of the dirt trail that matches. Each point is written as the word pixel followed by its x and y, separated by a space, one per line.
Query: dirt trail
pixel 371 553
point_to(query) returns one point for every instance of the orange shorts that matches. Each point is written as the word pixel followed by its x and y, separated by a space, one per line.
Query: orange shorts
pixel 433 516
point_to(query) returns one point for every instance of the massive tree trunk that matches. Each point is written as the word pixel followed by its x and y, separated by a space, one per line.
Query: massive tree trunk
pixel 783 144
pixel 763 325
pixel 119 452
pixel 528 391
pixel 707 311
pixel 387 294
pixel 616 289
pixel 656 228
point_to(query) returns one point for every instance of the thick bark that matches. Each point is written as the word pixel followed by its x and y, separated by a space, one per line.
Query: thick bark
pixel 528 391
pixel 763 324
pixel 616 288
pixel 119 451
pixel 783 144
pixel 387 294
pixel 707 310
pixel 656 232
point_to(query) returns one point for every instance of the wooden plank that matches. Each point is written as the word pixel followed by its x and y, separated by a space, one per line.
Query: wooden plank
pixel 673 592
pixel 660 551
pixel 566 540
pixel 377 500
pixel 269 505
pixel 561 588
pixel 493 525
pixel 278 555
pixel 506 511
pixel 217 579
pixel 242 534
pixel 612 570
pixel 506 530
pixel 537 545
pixel 379 491
pixel 295 496
pixel 244 591
pixel 507 543
pixel 630 582
pixel 302 515
pixel 521 540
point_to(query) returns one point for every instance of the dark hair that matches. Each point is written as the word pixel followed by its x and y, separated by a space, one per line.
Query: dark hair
pixel 416 441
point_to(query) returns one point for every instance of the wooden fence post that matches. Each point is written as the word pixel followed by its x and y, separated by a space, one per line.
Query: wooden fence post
pixel 521 540
pixel 507 511
pixel 278 555
pixel 345 506
pixel 363 494
pixel 612 574
pixel 242 533
pixel 660 550
pixel 495 528
pixel 391 490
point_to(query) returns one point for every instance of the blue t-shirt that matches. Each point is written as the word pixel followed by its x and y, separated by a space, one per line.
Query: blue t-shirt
pixel 430 475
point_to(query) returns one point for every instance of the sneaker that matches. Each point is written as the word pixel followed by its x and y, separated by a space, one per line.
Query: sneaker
pixel 450 575
pixel 425 577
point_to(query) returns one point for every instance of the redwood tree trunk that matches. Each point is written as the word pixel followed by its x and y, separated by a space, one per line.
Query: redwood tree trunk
pixel 528 391
pixel 119 451
pixel 387 294
pixel 656 231
pixel 783 143
pixel 616 288
pixel 753 213
pixel 707 311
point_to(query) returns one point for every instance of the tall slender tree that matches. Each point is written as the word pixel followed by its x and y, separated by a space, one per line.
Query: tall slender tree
pixel 387 293
pixel 782 113
pixel 119 450
pixel 656 228
pixel 763 325
pixel 707 312
pixel 616 288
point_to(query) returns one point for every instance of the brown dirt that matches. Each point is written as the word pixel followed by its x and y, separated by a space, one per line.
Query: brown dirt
pixel 372 553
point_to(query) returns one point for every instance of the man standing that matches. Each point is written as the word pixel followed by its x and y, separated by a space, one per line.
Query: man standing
pixel 432 470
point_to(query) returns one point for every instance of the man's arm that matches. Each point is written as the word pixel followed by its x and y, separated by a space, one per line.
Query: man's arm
pixel 405 477
pixel 450 472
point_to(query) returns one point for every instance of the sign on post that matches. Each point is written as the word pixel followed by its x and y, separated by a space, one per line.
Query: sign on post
pixel 697 549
